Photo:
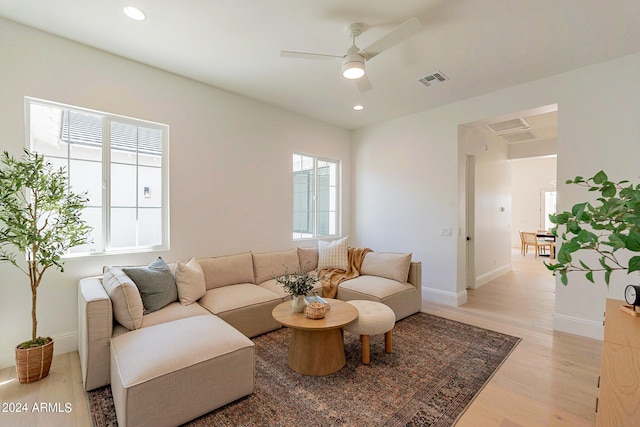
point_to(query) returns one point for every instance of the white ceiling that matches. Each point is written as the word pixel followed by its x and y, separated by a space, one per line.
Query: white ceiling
pixel 480 45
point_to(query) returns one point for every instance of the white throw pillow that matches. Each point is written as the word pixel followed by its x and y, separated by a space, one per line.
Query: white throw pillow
pixel 333 254
pixel 190 281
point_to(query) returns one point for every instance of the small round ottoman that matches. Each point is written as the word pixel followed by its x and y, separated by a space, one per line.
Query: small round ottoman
pixel 373 318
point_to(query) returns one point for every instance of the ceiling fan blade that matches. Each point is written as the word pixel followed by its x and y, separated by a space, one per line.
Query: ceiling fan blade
pixel 364 84
pixel 397 35
pixel 306 55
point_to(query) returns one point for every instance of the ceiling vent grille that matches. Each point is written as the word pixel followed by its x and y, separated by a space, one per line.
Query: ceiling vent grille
pixel 509 126
pixel 433 79
pixel 519 136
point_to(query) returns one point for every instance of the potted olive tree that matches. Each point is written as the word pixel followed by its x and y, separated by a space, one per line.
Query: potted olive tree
pixel 40 220
pixel 605 227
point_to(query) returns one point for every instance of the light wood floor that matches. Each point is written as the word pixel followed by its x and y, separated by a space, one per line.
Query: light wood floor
pixel 549 379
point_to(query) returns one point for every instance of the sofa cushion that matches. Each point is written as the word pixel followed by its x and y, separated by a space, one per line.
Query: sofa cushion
pixel 333 254
pixel 171 312
pixel 190 281
pixel 379 287
pixel 125 298
pixel 227 270
pixel 156 284
pixel 392 266
pixel 232 297
pixel 308 258
pixel 268 265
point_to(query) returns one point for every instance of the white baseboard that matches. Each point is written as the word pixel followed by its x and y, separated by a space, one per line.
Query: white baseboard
pixel 62 344
pixel 578 326
pixel 444 297
pixel 493 274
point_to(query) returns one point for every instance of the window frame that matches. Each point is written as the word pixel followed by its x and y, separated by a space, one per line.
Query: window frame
pixel 338 197
pixel 106 165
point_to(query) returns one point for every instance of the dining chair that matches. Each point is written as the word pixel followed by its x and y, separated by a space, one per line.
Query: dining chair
pixel 530 239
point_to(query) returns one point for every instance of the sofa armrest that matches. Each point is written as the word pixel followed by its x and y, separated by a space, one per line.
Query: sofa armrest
pixel 415 277
pixel 95 327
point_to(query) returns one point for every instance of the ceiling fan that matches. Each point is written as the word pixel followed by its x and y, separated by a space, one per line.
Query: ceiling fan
pixel 354 60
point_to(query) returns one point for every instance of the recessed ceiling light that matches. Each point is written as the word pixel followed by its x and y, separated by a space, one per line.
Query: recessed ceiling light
pixel 358 107
pixel 134 13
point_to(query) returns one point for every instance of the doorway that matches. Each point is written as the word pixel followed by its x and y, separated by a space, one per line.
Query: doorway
pixel 492 196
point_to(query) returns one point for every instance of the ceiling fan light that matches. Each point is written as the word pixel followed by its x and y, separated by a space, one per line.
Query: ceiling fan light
pixel 134 13
pixel 353 66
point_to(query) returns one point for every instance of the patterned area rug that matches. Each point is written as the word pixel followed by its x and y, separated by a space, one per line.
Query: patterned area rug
pixel 436 369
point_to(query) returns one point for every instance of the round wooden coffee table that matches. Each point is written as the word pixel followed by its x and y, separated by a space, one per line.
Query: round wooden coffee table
pixel 316 346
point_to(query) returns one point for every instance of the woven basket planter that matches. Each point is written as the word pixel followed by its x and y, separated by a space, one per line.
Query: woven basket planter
pixel 32 364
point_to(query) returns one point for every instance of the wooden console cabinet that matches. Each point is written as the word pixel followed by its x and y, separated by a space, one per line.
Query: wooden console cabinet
pixel 619 398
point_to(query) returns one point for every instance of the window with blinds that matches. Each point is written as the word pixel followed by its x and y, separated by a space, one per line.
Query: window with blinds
pixel 121 163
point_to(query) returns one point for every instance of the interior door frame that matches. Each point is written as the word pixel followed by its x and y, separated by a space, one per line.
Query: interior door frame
pixel 470 199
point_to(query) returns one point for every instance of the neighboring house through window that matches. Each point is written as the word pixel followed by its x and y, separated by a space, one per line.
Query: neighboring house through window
pixel 122 163
pixel 316 195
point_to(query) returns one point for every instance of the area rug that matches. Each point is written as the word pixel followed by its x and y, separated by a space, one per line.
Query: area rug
pixel 436 369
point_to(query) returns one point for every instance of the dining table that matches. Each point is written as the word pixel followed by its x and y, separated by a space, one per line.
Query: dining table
pixel 548 236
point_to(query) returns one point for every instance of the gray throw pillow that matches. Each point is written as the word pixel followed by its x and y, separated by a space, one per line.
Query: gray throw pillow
pixel 156 284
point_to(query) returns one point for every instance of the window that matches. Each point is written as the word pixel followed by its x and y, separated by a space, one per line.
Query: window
pixel 315 197
pixel 120 162
pixel 548 201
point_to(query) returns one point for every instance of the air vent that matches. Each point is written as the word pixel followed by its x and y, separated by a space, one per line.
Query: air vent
pixel 519 136
pixel 509 125
pixel 433 79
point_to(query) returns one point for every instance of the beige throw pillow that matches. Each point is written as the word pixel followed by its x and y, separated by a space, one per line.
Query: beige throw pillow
pixel 333 254
pixel 394 266
pixel 125 298
pixel 190 281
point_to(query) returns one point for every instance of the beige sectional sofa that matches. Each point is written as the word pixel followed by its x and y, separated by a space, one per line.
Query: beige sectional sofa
pixel 223 301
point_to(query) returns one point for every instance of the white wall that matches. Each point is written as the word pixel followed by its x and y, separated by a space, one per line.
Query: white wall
pixel 528 177
pixel 404 193
pixel 406 185
pixel 230 165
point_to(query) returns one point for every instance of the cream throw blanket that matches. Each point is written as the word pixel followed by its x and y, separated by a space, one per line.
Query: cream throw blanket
pixel 330 278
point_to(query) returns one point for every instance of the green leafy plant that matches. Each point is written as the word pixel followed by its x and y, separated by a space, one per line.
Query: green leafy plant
pixel 298 283
pixel 605 227
pixel 39 217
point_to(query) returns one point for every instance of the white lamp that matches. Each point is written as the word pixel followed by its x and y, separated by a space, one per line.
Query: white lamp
pixel 353 64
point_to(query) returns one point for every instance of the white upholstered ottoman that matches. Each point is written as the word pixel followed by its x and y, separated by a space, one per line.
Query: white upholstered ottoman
pixel 168 374
pixel 373 318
